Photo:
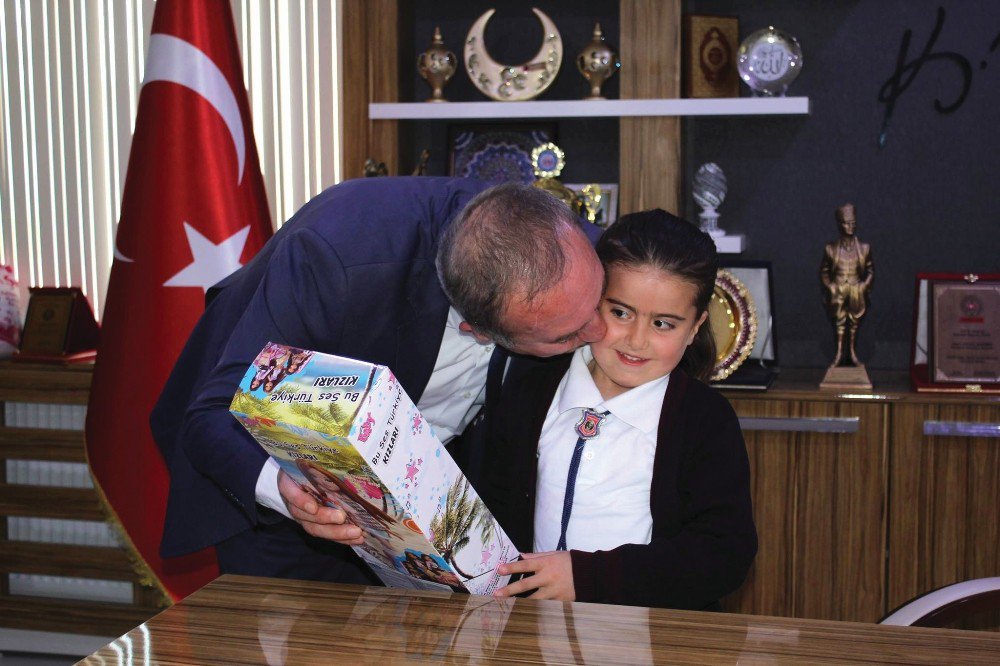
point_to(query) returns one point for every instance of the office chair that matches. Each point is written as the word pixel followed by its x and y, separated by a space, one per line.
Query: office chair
pixel 945 605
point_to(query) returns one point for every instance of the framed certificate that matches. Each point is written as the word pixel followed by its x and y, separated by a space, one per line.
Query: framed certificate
pixel 956 338
pixel 59 327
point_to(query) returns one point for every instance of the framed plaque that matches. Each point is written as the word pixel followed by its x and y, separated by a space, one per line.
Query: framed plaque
pixel 956 336
pixel 59 327
pixel 709 60
pixel 733 319
pixel 760 368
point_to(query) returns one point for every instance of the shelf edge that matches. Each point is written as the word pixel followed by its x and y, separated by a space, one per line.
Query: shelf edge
pixel 736 106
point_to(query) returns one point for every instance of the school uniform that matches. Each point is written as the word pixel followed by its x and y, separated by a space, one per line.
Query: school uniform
pixel 667 476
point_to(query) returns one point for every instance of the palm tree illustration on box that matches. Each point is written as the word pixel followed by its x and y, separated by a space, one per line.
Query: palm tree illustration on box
pixel 452 525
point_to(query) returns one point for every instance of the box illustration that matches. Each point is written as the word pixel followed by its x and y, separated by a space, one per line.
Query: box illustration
pixel 346 431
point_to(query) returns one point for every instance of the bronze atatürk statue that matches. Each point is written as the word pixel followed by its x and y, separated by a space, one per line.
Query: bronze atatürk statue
pixel 846 274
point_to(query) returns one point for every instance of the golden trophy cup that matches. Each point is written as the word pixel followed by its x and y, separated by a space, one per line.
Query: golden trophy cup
pixel 437 65
pixel 548 160
pixel 598 62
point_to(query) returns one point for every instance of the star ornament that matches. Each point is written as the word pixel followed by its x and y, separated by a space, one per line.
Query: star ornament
pixel 212 262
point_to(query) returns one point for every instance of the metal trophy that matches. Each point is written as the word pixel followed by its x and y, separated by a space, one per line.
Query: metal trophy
pixel 709 192
pixel 598 62
pixel 591 199
pixel 437 65
pixel 548 160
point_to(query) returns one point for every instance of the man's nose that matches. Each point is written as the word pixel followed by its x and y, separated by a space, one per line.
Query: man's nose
pixel 594 330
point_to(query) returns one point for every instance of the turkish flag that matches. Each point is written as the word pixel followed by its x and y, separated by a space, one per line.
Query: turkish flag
pixel 194 210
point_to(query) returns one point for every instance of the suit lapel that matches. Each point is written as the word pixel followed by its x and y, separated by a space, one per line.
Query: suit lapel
pixel 537 399
pixel 419 334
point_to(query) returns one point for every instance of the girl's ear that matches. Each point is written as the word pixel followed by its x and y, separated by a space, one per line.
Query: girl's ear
pixel 696 327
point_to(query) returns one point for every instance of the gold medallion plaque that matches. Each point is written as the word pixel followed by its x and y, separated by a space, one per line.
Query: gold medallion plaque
pixel 733 319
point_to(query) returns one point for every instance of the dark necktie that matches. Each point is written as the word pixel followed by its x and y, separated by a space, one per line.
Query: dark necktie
pixel 589 427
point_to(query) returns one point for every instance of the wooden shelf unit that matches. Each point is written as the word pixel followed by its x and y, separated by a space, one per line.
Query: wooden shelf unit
pixel 58 385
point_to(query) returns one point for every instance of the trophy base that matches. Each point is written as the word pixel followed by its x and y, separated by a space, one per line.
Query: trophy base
pixel 726 244
pixel 846 378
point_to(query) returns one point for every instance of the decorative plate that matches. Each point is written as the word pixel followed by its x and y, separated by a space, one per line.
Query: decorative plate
pixel 496 156
pixel 733 319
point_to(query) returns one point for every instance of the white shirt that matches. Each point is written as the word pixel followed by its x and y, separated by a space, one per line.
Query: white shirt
pixel 453 395
pixel 611 497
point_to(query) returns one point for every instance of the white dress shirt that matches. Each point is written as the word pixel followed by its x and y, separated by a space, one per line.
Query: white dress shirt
pixel 453 395
pixel 611 497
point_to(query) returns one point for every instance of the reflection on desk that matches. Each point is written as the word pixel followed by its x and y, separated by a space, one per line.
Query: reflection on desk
pixel 267 621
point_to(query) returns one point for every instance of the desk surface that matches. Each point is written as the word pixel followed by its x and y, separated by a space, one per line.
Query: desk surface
pixel 266 621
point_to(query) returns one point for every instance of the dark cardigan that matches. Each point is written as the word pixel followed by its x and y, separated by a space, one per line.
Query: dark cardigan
pixel 703 539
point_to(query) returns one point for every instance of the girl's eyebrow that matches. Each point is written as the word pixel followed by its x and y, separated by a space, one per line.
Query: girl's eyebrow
pixel 663 315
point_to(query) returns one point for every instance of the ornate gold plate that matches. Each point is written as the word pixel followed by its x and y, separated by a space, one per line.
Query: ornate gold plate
pixel 733 319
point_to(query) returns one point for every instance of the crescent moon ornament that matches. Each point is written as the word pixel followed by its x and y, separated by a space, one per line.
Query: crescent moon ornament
pixel 513 83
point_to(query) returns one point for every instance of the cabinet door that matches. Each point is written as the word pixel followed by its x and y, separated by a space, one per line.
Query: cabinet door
pixel 818 484
pixel 944 510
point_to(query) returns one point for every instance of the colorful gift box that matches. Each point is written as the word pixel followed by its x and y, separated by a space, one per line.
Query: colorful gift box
pixel 349 435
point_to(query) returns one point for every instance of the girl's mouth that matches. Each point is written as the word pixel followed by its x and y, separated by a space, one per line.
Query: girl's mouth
pixel 630 360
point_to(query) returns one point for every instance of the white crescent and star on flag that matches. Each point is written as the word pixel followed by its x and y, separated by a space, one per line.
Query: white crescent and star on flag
pixel 212 261
pixel 175 60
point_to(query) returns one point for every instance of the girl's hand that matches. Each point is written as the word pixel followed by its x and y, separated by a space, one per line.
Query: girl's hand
pixel 550 575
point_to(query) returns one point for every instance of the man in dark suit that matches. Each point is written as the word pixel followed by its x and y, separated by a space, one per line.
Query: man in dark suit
pixel 419 274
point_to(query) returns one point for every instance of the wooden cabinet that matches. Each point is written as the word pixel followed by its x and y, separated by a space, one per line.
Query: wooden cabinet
pixel 62 568
pixel 863 502
pixel 819 492
pixel 944 525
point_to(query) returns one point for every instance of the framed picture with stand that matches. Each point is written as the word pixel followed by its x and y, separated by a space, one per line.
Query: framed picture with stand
pixel 59 327
pixel 956 333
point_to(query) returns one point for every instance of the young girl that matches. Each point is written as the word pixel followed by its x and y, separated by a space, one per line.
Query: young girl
pixel 625 474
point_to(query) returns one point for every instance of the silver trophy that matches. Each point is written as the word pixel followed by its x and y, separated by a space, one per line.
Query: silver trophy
pixel 709 192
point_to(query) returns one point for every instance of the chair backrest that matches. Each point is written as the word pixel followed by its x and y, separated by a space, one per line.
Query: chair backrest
pixel 945 605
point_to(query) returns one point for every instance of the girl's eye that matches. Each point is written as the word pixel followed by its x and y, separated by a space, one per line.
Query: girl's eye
pixel 619 313
pixel 662 324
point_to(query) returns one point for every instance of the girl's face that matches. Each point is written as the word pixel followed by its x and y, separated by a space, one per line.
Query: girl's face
pixel 652 318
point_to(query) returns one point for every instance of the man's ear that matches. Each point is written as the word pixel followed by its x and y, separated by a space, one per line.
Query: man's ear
pixel 466 327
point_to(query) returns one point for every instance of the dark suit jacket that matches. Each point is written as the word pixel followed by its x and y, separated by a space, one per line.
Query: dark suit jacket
pixel 352 273
pixel 703 539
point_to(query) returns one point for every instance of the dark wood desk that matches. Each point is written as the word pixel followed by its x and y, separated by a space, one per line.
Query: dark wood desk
pixel 243 620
